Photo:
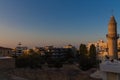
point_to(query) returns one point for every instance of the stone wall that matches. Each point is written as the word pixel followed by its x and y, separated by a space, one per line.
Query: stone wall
pixel 7 63
pixel 68 72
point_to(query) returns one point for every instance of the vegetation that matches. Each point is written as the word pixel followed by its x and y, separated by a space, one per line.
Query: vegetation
pixel 69 56
pixel 83 58
pixel 33 61
pixel 93 55
pixel 52 61
pixel 87 59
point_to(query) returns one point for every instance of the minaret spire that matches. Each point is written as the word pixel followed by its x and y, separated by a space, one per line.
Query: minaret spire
pixel 112 12
pixel 112 20
pixel 112 37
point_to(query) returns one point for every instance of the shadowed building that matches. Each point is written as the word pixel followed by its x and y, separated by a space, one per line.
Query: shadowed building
pixel 5 51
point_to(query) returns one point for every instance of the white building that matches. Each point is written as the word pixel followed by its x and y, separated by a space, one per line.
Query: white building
pixel 102 48
pixel 19 50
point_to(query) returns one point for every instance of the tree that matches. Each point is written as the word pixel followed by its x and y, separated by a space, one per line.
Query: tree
pixel 69 56
pixel 33 60
pixel 83 49
pixel 84 63
pixel 93 55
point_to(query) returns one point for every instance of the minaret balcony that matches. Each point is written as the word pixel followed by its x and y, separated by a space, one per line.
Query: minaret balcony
pixel 118 35
pixel 112 36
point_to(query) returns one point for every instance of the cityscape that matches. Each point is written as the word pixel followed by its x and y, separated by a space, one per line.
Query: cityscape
pixel 59 40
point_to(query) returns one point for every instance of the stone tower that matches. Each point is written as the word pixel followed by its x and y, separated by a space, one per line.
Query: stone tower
pixel 112 37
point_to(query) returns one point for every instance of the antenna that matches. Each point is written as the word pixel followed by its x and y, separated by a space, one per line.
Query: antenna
pixel 112 12
pixel 19 44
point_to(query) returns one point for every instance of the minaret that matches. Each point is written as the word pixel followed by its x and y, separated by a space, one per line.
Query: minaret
pixel 112 37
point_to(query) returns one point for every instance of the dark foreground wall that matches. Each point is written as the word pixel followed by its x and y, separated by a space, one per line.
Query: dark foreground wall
pixel 7 63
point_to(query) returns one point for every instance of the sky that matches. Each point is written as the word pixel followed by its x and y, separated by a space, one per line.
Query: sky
pixel 55 22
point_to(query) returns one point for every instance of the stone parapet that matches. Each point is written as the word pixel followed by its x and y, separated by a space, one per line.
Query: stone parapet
pixel 110 70
pixel 112 36
pixel 110 67
pixel 7 63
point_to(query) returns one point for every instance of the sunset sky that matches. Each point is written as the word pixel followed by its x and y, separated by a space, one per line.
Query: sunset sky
pixel 55 22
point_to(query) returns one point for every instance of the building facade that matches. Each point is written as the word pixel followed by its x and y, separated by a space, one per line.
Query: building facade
pixel 5 51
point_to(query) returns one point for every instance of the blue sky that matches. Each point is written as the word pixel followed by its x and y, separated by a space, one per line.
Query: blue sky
pixel 55 22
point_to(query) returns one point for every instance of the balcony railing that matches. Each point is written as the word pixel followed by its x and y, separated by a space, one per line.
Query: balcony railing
pixel 113 36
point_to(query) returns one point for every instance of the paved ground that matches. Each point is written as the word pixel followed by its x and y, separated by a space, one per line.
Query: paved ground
pixel 3 76
pixel 68 72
